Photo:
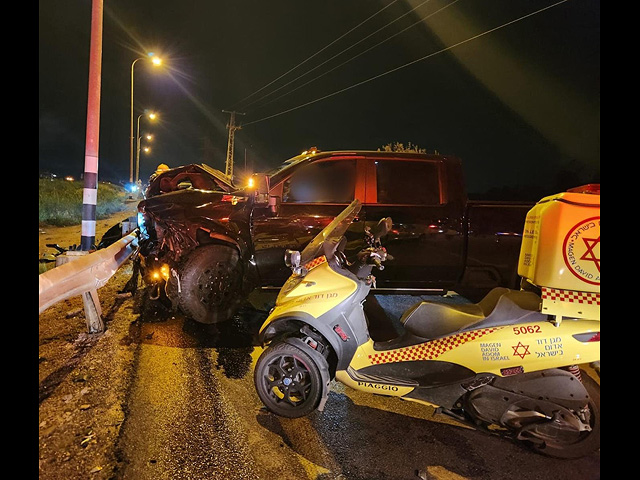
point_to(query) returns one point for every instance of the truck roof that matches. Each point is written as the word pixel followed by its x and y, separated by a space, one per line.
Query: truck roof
pixel 314 155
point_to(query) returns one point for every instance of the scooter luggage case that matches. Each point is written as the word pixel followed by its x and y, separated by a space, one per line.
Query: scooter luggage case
pixel 560 252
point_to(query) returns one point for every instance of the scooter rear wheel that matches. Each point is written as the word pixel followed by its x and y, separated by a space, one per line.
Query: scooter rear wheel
pixel 587 442
pixel 288 381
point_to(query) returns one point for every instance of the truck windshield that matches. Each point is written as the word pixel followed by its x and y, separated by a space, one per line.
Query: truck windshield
pixel 276 173
pixel 328 239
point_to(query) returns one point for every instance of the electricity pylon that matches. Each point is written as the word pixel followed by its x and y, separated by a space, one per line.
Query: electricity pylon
pixel 232 129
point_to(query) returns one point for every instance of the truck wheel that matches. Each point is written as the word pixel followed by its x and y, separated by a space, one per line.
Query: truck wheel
pixel 210 284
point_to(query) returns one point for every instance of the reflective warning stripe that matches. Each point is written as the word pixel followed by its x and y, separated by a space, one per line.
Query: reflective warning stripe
pixel 315 262
pixel 429 350
pixel 570 296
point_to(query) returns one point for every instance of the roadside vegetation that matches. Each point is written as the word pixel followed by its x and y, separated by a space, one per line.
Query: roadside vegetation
pixel 399 147
pixel 60 201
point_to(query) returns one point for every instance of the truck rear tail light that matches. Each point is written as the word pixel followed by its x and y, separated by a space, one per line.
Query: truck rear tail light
pixel 233 199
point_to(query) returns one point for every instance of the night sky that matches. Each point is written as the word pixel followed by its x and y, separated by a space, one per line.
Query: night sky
pixel 520 105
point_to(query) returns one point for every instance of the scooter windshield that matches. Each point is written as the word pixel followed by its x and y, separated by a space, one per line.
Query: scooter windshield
pixel 327 240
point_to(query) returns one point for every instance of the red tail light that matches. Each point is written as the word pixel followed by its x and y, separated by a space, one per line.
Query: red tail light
pixel 587 337
pixel 592 188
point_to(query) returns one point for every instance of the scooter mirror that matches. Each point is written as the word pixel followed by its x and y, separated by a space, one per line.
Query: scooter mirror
pixel 382 228
pixel 292 258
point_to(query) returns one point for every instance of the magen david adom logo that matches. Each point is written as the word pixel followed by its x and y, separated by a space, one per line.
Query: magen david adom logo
pixel 581 250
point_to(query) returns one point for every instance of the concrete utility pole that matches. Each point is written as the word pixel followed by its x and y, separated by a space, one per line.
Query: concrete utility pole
pixel 90 300
pixel 90 191
pixel 232 129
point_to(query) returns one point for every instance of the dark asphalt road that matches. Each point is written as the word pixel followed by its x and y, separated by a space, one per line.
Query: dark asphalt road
pixel 192 413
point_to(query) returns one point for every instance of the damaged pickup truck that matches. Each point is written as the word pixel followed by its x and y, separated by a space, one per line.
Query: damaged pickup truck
pixel 205 246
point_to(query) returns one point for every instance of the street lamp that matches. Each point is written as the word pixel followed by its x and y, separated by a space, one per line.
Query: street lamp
pixel 150 116
pixel 156 61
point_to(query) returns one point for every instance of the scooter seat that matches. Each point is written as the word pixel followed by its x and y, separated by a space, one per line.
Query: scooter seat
pixel 500 306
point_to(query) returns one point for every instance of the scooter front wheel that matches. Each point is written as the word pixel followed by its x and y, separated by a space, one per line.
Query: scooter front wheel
pixel 288 380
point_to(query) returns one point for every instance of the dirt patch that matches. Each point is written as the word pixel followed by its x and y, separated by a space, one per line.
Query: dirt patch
pixel 83 378
pixel 83 382
pixel 61 324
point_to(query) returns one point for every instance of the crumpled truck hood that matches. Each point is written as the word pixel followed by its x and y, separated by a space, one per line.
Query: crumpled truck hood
pixel 183 217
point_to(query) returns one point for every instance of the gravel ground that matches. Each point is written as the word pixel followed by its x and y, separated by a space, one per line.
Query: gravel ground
pixel 83 379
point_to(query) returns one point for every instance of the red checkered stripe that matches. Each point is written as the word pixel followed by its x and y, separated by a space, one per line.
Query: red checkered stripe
pixel 315 262
pixel 570 296
pixel 429 350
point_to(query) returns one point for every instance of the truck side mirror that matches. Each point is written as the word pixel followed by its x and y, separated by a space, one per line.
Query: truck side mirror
pixel 274 205
pixel 259 188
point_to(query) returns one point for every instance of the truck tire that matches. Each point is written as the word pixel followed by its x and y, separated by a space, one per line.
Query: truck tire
pixel 210 284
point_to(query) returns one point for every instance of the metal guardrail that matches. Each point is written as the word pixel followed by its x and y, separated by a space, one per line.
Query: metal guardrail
pixel 83 276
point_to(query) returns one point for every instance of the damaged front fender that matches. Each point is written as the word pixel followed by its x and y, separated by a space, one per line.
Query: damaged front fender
pixel 179 222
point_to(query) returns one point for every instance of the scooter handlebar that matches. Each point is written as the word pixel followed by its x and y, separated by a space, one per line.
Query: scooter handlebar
pixel 373 256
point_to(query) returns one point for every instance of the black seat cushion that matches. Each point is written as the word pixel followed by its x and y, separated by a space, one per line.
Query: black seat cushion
pixel 499 307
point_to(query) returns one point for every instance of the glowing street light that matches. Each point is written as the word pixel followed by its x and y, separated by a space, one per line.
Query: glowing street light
pixel 155 61
pixel 150 116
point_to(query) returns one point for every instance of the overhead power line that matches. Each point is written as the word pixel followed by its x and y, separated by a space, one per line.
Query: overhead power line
pixel 319 51
pixel 356 56
pixel 336 55
pixel 409 63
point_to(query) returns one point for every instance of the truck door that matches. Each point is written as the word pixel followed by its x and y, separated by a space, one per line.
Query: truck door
pixel 427 239
pixel 309 198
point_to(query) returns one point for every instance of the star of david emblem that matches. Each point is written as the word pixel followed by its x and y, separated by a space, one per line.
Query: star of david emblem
pixel 521 353
pixel 590 255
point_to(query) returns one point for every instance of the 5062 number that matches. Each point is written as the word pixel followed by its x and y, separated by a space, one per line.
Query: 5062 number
pixel 528 329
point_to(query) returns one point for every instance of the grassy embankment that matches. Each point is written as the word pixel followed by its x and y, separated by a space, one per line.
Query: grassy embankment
pixel 60 201
pixel 60 205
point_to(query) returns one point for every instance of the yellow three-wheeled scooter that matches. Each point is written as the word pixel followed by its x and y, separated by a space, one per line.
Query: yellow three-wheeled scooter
pixel 508 364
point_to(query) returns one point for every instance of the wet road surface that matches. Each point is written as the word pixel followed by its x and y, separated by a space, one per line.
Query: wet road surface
pixel 192 413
